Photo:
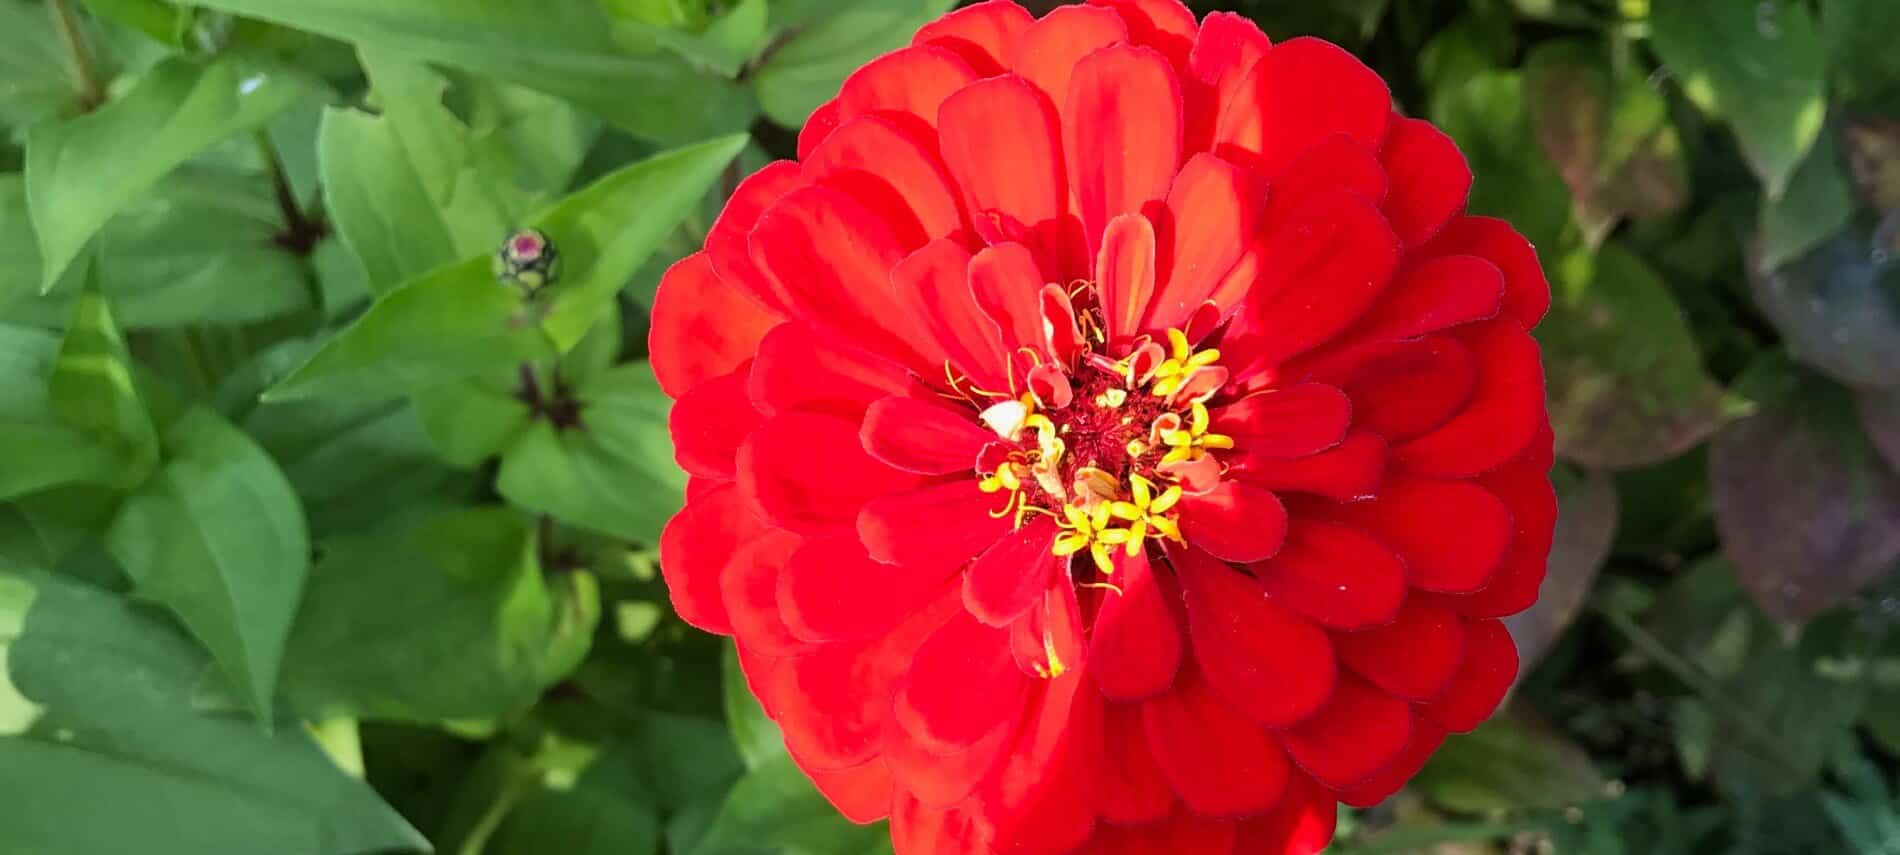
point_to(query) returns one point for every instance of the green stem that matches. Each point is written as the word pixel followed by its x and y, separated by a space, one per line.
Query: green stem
pixel 1702 684
pixel 79 56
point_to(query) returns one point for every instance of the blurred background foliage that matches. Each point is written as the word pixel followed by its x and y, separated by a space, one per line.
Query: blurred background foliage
pixel 315 540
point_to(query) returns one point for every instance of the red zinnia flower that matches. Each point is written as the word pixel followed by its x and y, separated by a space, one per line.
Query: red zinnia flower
pixel 1110 436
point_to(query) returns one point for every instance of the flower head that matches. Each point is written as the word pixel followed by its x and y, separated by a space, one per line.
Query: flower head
pixel 1110 435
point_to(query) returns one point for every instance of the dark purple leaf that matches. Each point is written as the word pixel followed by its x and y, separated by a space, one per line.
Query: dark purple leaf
pixel 1806 512
pixel 1837 308
pixel 1586 527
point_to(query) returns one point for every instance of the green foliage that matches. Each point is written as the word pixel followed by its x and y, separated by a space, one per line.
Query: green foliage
pixel 317 538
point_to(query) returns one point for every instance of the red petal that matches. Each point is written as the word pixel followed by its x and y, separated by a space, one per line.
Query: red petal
pixel 1414 656
pixel 1296 421
pixel 1348 471
pixel 1323 266
pixel 1433 295
pixel 861 793
pixel 798 369
pixel 1050 50
pixel 1125 273
pixel 1425 739
pixel 694 548
pixel 819 125
pixel 1128 786
pixel 1269 663
pixel 1338 162
pixel 833 258
pixel 831 590
pixel 1002 142
pixel 1525 488
pixel 1165 25
pixel 1121 130
pixel 1526 291
pixel 1303 92
pixel 1505 412
pixel 936 527
pixel 984 34
pixel 943 779
pixel 1048 641
pixel 749 585
pixel 1452 534
pixel 1413 387
pixel 1359 732
pixel 834 704
pixel 911 82
pixel 1226 47
pixel 1220 763
pixel 1184 834
pixel 702 327
pixel 1430 179
pixel 1236 521
pixel 962 686
pixel 1033 799
pixel 1335 575
pixel 1008 285
pixel 708 424
pixel 920 829
pixel 809 474
pixel 1212 210
pixel 1136 646
pixel 1485 674
pixel 728 242
pixel 1301 824
pixel 933 284
pixel 890 172
pixel 921 437
pixel 1010 577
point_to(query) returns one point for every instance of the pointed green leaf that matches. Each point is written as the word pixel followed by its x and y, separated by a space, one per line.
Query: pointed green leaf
pixel 776 806
pixel 1818 203
pixel 122 760
pixel 561 47
pixel 614 472
pixel 218 536
pixel 92 390
pixel 175 111
pixel 1758 66
pixel 42 450
pixel 807 69
pixel 466 628
pixel 458 322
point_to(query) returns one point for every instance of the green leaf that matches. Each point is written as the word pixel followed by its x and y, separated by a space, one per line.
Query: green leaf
pixel 1490 117
pixel 457 322
pixel 1758 66
pixel 92 390
pixel 806 70
pixel 605 812
pixel 613 472
pixel 757 736
pixel 218 536
pixel 466 627
pixel 1818 203
pixel 405 189
pixel 1625 380
pixel 175 111
pixel 1777 719
pixel 561 47
pixel 156 18
pixel 776 808
pixel 17 714
pixel 197 249
pixel 42 450
pixel 122 761
pixel 1510 762
pixel 1859 37
pixel 33 80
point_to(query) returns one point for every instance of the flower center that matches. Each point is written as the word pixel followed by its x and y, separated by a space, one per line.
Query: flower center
pixel 1108 444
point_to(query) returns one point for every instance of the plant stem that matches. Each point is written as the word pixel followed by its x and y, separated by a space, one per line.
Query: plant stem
pixel 79 56
pixel 300 234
